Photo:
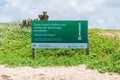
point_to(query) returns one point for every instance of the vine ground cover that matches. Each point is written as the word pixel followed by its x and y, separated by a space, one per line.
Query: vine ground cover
pixel 15 50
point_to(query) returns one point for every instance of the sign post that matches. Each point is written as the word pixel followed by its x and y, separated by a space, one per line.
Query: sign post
pixel 60 34
pixel 33 53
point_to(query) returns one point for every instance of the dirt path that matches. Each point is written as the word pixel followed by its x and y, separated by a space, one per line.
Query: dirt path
pixel 54 73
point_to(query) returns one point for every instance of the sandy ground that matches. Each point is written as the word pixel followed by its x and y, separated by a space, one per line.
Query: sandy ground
pixel 115 35
pixel 54 73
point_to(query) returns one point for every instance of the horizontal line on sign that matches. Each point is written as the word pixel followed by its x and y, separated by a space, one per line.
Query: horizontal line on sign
pixel 59 45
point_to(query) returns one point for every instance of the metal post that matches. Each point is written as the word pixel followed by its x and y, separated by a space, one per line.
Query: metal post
pixel 88 49
pixel 33 53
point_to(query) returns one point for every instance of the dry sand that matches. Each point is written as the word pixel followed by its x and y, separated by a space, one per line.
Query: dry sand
pixel 54 73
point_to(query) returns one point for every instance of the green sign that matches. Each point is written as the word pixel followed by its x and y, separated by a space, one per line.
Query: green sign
pixel 59 34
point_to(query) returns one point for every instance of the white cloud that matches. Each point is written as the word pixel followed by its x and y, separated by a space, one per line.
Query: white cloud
pixel 100 14
pixel 112 3
pixel 5 18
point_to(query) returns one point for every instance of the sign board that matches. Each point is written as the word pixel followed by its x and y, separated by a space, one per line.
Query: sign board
pixel 59 34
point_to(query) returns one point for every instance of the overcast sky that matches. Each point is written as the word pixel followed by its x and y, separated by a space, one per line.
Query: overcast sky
pixel 104 14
